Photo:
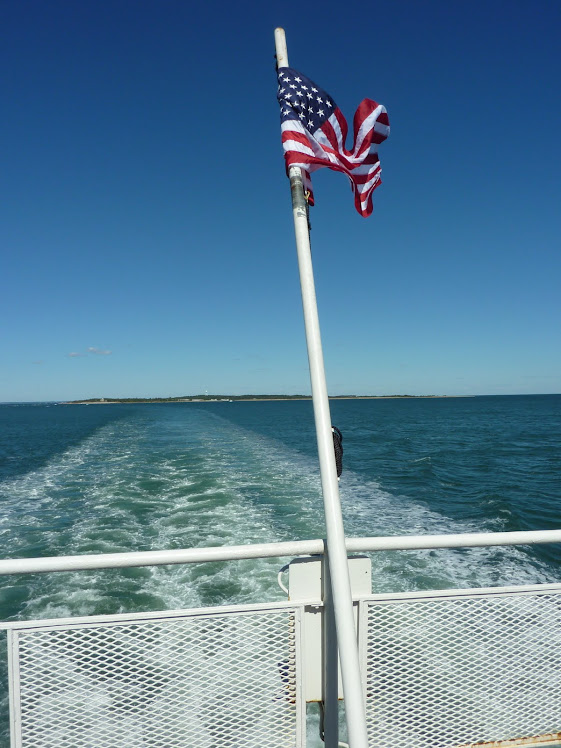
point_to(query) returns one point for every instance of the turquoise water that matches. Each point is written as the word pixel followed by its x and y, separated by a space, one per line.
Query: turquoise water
pixel 95 479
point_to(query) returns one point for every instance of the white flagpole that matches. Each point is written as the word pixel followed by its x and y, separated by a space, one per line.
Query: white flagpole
pixel 336 550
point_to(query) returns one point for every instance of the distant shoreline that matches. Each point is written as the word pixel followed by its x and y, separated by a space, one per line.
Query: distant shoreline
pixel 248 398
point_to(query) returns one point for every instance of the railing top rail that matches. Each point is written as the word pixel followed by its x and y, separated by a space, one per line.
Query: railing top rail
pixel 272 550
pixel 157 615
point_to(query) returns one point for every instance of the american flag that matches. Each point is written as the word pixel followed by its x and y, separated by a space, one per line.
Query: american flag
pixel 314 132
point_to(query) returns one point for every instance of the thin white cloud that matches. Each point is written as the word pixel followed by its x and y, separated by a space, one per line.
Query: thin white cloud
pixel 98 351
pixel 93 350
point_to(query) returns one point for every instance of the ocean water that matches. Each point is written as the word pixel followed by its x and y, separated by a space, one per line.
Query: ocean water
pixel 110 478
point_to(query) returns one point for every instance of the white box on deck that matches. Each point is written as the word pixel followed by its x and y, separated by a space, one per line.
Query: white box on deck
pixel 306 583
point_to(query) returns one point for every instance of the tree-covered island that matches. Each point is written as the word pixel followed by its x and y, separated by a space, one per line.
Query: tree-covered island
pixel 225 398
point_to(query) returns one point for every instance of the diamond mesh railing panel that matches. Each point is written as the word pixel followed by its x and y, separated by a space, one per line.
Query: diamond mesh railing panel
pixel 446 672
pixel 227 679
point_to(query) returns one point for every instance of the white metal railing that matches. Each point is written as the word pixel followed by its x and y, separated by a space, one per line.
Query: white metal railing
pixel 228 677
pixel 463 667
pixel 272 550
pixel 380 637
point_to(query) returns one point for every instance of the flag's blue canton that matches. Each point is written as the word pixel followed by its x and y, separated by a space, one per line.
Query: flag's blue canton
pixel 301 99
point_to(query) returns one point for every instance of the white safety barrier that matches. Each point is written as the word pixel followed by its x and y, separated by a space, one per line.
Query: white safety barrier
pixel 228 677
pixel 440 669
pixel 272 550
pixel 463 667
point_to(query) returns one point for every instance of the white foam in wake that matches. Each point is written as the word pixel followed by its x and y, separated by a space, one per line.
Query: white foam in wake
pixel 199 481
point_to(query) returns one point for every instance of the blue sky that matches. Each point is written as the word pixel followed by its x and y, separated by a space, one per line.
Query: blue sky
pixel 147 238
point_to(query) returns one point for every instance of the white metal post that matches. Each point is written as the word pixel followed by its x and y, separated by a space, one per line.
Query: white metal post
pixel 336 550
pixel 330 664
